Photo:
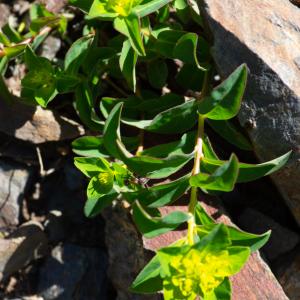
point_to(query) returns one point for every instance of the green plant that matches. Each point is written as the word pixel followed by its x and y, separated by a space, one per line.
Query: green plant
pixel 147 41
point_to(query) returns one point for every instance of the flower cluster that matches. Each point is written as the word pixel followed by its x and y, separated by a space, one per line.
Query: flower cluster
pixel 197 273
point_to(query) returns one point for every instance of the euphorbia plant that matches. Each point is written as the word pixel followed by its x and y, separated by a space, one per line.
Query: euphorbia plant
pixel 149 44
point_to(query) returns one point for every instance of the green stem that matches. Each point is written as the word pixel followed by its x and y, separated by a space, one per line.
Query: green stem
pixel 195 171
pixel 197 160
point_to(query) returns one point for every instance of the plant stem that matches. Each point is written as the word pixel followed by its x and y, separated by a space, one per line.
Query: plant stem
pixel 195 171
pixel 197 160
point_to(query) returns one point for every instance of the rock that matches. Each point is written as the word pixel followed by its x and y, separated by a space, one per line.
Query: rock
pixel 14 180
pixel 54 5
pixel 5 12
pixel 265 35
pixel 35 124
pixel 128 255
pixel 26 244
pixel 290 280
pixel 73 272
pixel 282 240
pixel 126 252
pixel 50 47
pixel 296 2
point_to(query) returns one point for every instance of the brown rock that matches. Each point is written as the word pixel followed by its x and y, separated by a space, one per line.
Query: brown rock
pixel 265 35
pixel 26 244
pixel 35 124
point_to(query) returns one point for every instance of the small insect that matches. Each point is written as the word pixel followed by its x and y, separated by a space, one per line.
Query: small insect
pixel 132 180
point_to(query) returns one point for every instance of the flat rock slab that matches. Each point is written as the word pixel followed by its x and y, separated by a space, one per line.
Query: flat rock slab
pixel 13 182
pixel 35 124
pixel 265 34
pixel 255 282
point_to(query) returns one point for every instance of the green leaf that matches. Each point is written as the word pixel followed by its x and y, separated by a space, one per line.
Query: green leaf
pixel 166 42
pixel 223 178
pixel 130 27
pixel 174 120
pixel 190 77
pixel 160 195
pixel 184 146
pixel 111 131
pixel 249 172
pixel 230 133
pixel 148 280
pixel 90 146
pixel 151 227
pixel 148 7
pixel 153 106
pixel 202 217
pixel 91 166
pixel 128 61
pixel 238 256
pixel 94 206
pixel 40 82
pixel 152 167
pixel 186 49
pixel 157 72
pixel 77 54
pixel 84 103
pixel 13 51
pixel 236 235
pixel 84 5
pixel 224 101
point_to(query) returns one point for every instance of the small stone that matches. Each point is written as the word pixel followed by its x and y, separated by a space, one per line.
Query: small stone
pixel 26 244
pixel 50 47
pixel 4 15
pixel 73 272
pixel 14 179
pixel 54 5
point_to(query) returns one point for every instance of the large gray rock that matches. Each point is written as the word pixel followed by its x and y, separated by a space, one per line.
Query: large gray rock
pixel 265 34
pixel 14 179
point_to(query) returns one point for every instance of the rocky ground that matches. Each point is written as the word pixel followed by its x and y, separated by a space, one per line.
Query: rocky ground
pixel 49 250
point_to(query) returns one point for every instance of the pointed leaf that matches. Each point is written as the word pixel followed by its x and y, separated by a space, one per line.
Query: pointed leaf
pixel 148 280
pixel 174 120
pixel 250 172
pixel 223 178
pixel 128 61
pixel 151 227
pixel 224 101
pixel 160 195
pixel 149 7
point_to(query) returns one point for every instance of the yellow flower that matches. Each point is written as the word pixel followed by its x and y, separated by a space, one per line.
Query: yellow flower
pixel 121 7
pixel 197 273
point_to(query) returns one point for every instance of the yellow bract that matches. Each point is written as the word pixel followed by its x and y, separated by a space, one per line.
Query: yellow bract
pixel 122 7
pixel 198 272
